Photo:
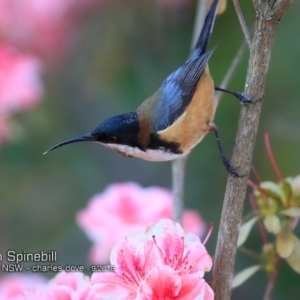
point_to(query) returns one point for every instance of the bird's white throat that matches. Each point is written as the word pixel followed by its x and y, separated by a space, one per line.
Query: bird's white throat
pixel 150 154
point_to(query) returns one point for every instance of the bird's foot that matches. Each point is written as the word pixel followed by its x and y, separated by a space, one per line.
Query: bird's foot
pixel 232 170
pixel 244 99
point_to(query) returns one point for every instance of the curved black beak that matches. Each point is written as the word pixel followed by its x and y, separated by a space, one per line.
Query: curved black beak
pixel 84 138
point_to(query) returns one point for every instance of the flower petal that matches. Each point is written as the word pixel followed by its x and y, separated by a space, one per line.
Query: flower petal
pixel 110 286
pixel 195 258
pixel 294 259
pixel 161 283
pixel 39 293
pixel 291 212
pixel 272 223
pixel 285 240
pixel 194 287
pixel 192 222
pixel 126 209
pixel 169 239
pixel 134 257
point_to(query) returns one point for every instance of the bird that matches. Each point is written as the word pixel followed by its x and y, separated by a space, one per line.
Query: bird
pixel 171 122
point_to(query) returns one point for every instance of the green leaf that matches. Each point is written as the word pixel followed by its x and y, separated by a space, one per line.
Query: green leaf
pixel 245 230
pixel 287 192
pixel 294 259
pixel 244 275
pixel 291 212
pixel 272 224
pixel 285 240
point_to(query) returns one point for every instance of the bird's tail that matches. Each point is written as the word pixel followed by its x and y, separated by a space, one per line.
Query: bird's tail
pixel 206 31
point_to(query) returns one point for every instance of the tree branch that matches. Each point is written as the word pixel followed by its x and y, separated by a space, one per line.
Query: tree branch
pixel 242 22
pixel 178 165
pixel 178 172
pixel 267 17
pixel 270 286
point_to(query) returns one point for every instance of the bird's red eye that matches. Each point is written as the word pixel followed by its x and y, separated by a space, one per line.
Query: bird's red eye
pixel 112 139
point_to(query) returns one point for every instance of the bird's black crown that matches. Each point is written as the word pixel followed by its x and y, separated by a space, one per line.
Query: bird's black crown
pixel 122 129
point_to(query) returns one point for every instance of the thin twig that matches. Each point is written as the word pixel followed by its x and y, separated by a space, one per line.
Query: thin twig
pixel 178 165
pixel 270 286
pixel 252 184
pixel 231 70
pixel 249 252
pixel 271 157
pixel 267 18
pixel 259 223
pixel 242 22
pixel 178 172
pixel 256 175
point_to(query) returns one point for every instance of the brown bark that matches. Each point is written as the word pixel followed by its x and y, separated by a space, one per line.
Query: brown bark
pixel 268 13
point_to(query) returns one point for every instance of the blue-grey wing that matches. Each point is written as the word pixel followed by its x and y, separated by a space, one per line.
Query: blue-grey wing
pixel 177 90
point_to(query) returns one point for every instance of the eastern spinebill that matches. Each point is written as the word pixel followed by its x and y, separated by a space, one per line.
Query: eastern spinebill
pixel 171 122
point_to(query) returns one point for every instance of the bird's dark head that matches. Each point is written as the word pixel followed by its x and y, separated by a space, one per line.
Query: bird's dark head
pixel 118 130
pixel 121 129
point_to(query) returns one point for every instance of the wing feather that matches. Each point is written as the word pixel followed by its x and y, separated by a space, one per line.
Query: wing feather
pixel 177 90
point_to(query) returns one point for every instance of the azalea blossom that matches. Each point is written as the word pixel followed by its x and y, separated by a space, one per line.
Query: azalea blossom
pixel 38 25
pixel 20 82
pixel 69 286
pixel 20 85
pixel 162 263
pixel 64 286
pixel 12 287
pixel 44 27
pixel 126 209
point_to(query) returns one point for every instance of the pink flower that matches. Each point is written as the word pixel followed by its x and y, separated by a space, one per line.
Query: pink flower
pixel 20 84
pixel 163 263
pixel 69 286
pixel 126 209
pixel 64 286
pixel 12 287
pixel 45 27
pixel 37 25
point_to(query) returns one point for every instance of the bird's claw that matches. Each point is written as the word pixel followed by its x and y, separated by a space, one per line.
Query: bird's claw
pixel 233 170
pixel 244 99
